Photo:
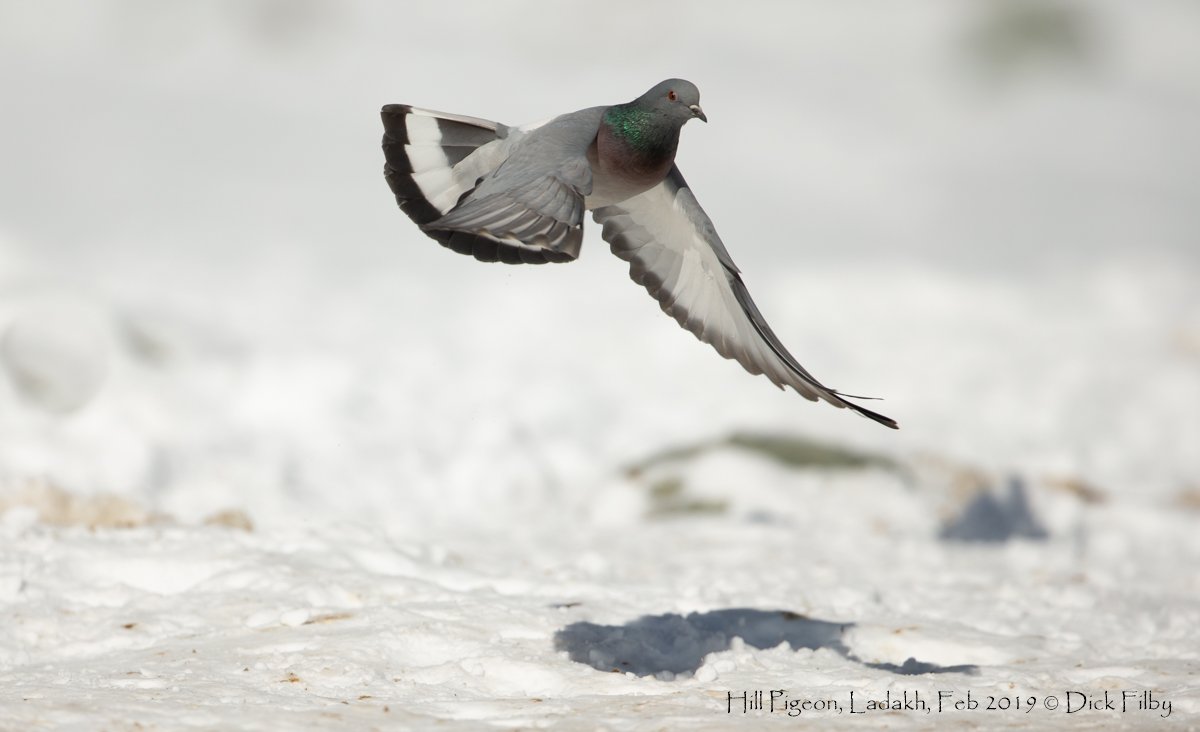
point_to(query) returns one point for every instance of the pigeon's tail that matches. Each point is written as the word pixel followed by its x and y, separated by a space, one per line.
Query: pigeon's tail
pixel 422 149
pixel 433 160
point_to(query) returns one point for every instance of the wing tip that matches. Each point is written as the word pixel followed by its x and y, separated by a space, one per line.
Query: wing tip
pixel 876 416
pixel 863 411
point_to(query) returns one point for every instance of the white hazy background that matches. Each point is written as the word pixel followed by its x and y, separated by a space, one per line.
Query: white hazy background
pixel 984 212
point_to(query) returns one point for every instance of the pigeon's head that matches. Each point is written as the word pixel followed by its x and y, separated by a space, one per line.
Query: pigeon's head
pixel 677 98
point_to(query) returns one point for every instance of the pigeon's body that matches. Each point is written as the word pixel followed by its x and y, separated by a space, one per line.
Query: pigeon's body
pixel 630 154
pixel 518 195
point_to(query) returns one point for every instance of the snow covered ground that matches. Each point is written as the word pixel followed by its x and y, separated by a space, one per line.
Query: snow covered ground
pixel 270 459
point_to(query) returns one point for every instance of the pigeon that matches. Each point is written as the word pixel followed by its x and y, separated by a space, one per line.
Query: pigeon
pixel 518 195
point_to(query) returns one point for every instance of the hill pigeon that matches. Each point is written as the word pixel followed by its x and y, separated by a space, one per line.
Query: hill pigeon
pixel 518 195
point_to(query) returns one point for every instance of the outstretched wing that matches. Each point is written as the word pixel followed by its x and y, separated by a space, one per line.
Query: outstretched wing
pixel 675 253
pixel 539 214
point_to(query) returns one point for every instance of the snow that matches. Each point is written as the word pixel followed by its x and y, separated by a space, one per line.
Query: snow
pixel 270 459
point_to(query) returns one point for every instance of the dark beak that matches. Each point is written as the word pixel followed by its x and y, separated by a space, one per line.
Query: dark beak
pixel 697 112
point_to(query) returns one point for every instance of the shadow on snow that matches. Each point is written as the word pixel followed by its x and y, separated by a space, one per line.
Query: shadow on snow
pixel 677 644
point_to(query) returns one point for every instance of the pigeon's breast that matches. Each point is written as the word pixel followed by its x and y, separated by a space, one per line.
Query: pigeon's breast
pixel 620 171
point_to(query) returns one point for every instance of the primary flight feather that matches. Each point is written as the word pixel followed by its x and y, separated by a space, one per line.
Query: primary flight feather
pixel 518 195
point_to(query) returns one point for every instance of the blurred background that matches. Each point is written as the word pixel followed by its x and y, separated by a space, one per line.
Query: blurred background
pixel 984 212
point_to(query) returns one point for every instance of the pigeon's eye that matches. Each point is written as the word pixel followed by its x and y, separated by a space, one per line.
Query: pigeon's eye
pixel 672 95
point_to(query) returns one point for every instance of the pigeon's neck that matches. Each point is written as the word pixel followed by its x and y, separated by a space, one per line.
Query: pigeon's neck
pixel 645 134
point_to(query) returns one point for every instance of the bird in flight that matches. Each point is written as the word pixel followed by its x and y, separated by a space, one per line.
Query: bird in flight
pixel 518 195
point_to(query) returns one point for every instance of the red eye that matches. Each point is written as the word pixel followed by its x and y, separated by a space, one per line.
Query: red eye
pixel 672 95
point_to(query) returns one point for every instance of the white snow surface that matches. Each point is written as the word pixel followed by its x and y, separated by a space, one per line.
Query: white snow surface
pixel 272 459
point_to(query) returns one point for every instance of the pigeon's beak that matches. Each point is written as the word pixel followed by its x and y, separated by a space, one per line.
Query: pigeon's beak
pixel 697 112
